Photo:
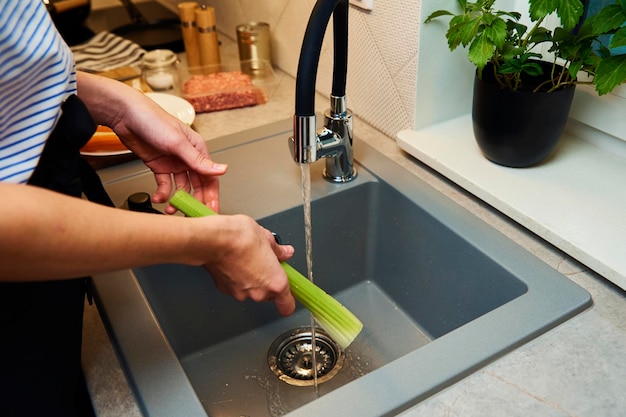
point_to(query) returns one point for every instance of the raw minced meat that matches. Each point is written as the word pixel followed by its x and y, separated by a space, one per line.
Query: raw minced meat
pixel 221 91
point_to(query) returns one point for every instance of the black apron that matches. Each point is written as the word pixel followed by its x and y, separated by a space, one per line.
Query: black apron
pixel 41 322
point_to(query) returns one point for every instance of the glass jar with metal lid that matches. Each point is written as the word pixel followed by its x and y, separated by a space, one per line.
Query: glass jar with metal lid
pixel 159 69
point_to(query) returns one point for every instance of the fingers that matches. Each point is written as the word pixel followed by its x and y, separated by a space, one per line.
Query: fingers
pixel 164 188
pixel 283 299
pixel 194 154
pixel 283 252
pixel 278 291
pixel 206 189
pixel 285 303
pixel 184 163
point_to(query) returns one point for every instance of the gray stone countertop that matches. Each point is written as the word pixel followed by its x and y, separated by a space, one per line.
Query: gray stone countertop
pixel 578 369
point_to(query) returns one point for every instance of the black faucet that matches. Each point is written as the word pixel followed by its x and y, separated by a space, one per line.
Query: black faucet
pixel 334 140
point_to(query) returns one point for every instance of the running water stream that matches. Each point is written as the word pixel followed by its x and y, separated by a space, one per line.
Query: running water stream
pixel 306 197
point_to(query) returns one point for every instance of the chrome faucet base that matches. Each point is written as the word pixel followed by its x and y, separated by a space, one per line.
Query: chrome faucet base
pixel 340 160
pixel 340 179
pixel 333 142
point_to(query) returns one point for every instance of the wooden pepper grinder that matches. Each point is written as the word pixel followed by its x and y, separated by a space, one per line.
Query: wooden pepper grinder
pixel 207 38
pixel 187 13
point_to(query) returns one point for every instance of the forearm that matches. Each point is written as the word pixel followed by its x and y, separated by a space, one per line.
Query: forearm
pixel 105 98
pixel 46 235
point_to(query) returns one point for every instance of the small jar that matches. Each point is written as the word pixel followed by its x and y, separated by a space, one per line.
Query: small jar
pixel 159 69
pixel 253 40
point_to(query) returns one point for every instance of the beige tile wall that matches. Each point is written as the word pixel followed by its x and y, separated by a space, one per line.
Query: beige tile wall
pixel 382 63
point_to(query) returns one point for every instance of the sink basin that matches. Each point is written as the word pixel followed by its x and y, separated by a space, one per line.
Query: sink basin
pixel 439 291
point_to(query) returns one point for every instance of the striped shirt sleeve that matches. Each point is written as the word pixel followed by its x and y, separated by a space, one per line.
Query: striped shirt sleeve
pixel 36 75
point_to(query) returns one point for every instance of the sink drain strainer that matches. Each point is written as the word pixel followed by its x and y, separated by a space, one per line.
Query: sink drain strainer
pixel 290 357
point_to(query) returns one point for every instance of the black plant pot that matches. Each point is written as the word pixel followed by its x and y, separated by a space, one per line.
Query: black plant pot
pixel 518 129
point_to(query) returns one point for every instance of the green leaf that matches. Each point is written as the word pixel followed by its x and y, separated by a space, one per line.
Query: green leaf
pixel 540 35
pixel 510 67
pixel 532 68
pixel 438 13
pixel 608 19
pixel 570 12
pixel 590 63
pixel 509 52
pixel 480 51
pixel 603 51
pixel 586 54
pixel 574 68
pixel 476 7
pixel 513 15
pixel 454 32
pixel 469 30
pixel 610 73
pixel 528 55
pixel 619 38
pixel 561 35
pixel 488 18
pixel 496 32
pixel 541 8
pixel 516 27
pixel 586 29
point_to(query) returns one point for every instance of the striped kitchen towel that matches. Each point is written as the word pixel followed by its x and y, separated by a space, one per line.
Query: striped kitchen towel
pixel 105 52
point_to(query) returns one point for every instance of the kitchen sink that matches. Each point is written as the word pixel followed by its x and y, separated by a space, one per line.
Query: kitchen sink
pixel 440 293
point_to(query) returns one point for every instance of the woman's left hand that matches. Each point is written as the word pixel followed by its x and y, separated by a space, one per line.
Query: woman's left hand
pixel 176 154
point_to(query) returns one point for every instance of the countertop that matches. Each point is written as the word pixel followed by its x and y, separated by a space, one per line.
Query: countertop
pixel 576 369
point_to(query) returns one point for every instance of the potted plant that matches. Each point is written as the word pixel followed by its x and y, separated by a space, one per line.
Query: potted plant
pixel 526 75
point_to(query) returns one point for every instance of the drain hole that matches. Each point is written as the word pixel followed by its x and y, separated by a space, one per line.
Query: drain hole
pixel 290 357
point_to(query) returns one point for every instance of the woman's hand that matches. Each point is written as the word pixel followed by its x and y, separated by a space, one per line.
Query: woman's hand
pixel 176 154
pixel 247 264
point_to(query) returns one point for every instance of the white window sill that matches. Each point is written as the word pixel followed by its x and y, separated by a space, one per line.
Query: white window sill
pixel 576 200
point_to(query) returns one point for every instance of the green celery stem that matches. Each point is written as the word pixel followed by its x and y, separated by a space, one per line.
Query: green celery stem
pixel 340 324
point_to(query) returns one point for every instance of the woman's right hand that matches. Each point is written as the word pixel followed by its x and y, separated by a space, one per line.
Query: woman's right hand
pixel 245 262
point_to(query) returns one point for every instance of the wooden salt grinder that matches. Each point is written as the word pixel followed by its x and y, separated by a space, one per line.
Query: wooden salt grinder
pixel 207 37
pixel 186 11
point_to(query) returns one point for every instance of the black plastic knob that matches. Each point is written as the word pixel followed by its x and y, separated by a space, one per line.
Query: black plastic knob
pixel 141 202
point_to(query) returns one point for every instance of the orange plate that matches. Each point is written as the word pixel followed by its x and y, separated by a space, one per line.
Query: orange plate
pixel 104 143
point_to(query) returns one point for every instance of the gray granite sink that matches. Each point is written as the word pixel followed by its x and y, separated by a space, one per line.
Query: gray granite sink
pixel 440 293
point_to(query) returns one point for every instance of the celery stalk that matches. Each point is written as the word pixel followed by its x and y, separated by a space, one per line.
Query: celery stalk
pixel 340 324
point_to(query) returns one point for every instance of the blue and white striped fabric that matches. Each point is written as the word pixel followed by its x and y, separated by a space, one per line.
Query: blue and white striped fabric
pixel 36 76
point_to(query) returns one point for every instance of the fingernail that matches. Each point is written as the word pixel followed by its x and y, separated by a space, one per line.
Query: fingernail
pixel 220 166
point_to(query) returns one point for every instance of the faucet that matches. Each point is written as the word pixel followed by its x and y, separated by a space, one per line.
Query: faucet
pixel 334 141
